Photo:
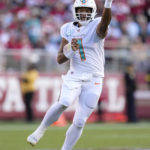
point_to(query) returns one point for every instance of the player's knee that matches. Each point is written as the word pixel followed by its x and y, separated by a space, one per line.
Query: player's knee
pixel 65 102
pixel 63 106
pixel 92 101
pixel 79 123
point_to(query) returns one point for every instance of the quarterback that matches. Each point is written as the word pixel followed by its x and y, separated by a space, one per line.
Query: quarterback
pixel 82 44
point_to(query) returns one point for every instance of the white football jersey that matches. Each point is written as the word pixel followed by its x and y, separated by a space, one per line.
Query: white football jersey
pixel 90 56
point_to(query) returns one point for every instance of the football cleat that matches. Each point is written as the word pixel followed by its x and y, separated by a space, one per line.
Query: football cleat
pixel 34 138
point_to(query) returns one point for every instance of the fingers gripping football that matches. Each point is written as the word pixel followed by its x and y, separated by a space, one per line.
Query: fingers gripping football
pixel 70 48
pixel 74 44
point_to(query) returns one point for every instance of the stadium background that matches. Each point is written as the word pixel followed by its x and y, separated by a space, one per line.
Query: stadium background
pixel 29 32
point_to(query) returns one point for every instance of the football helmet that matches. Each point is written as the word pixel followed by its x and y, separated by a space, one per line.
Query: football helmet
pixel 89 16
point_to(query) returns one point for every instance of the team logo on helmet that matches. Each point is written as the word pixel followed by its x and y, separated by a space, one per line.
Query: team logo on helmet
pixel 83 1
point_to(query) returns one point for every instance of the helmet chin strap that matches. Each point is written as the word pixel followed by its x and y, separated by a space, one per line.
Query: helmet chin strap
pixel 86 21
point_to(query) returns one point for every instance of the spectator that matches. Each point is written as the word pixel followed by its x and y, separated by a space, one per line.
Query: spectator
pixel 147 78
pixel 28 89
pixel 130 86
pixel 139 53
pixel 33 26
pixel 132 28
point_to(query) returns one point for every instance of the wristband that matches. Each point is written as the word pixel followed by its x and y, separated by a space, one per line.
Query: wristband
pixel 108 3
pixel 67 50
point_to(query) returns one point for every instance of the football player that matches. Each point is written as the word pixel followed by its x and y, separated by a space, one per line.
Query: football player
pixel 82 44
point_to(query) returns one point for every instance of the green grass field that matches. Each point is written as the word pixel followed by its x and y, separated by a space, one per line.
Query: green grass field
pixel 95 136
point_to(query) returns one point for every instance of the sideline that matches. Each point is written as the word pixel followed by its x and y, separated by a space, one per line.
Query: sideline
pixel 97 126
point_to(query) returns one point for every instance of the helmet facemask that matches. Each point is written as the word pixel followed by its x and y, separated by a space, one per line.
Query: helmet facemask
pixel 84 17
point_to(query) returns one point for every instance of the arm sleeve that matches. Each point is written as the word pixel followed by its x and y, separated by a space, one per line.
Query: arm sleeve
pixel 63 31
pixel 97 20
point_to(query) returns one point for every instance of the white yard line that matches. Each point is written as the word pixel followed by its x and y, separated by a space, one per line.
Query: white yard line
pixel 128 136
pixel 91 149
pixel 42 149
pixel 26 127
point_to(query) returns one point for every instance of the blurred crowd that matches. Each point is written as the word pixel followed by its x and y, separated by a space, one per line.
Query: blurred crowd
pixel 35 24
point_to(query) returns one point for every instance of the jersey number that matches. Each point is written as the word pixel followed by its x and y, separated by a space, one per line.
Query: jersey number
pixel 81 50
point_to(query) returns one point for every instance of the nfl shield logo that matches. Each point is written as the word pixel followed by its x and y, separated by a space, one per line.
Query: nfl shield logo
pixel 83 1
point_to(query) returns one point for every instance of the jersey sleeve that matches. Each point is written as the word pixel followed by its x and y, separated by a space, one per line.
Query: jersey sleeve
pixel 97 21
pixel 64 31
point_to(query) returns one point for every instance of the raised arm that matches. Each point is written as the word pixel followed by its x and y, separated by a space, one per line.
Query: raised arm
pixel 105 21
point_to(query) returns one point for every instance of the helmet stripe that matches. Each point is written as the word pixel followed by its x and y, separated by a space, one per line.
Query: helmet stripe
pixel 83 1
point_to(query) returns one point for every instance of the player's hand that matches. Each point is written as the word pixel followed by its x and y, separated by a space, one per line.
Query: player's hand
pixel 74 44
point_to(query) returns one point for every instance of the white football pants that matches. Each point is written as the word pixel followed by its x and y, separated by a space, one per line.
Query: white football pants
pixel 88 90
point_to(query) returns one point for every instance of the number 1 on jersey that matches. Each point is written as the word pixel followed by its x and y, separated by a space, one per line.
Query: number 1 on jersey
pixel 81 50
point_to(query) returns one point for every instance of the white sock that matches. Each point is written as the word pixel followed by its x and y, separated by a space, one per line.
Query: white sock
pixel 72 136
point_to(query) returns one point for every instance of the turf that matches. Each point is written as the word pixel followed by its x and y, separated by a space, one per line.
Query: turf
pixel 95 136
